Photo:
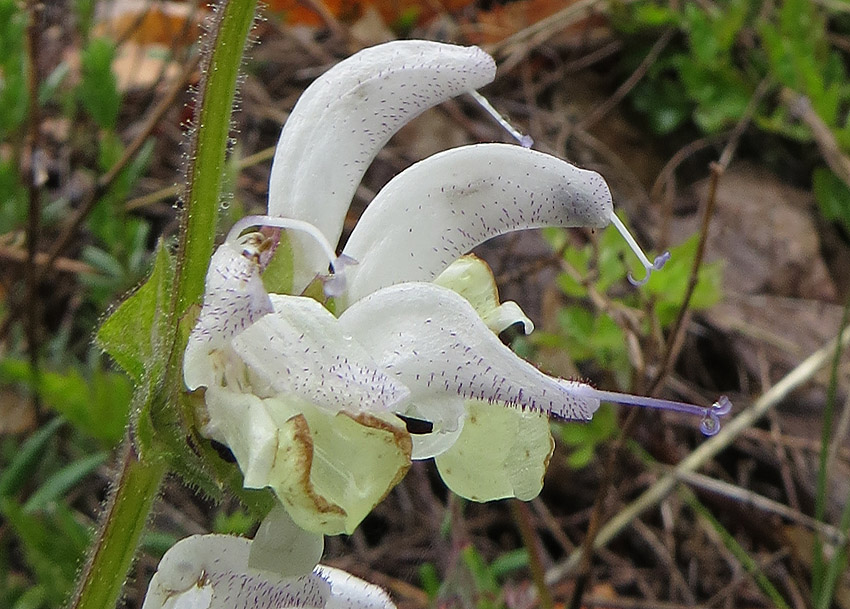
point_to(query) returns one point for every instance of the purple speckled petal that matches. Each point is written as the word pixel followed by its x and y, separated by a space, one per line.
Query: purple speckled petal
pixel 433 341
pixel 234 299
pixel 346 116
pixel 300 350
pixel 440 208
pixel 211 572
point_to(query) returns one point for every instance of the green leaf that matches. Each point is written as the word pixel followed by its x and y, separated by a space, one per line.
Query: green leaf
pixel 50 551
pixel 13 67
pixel 84 10
pixel 509 562
pixel 583 438
pixel 27 458
pixel 13 203
pixel 591 337
pixel 34 598
pixel 721 93
pixel 98 91
pixel 833 196
pixel 157 543
pixel 663 101
pixel 238 522
pixel 62 481
pixel 98 404
pixel 130 335
pixel 429 580
pixel 669 286
pixel 482 575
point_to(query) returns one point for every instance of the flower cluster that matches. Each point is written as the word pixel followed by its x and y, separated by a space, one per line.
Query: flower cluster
pixel 312 403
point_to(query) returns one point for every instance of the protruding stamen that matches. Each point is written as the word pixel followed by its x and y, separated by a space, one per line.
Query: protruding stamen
pixel 333 285
pixel 710 416
pixel 656 265
pixel 524 140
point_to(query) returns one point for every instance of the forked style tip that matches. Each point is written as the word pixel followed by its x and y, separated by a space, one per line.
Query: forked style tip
pixel 710 423
pixel 655 265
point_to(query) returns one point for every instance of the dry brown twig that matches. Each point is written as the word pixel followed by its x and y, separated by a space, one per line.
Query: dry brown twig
pixel 63 265
pixel 752 499
pixel 106 180
pixel 513 49
pixel 522 519
pixel 601 110
pixel 703 453
pixel 800 106
pixel 717 170
pixel 673 343
pixel 174 191
pixel 42 264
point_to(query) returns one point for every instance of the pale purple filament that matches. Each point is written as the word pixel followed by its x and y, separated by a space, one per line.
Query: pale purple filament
pixel 709 425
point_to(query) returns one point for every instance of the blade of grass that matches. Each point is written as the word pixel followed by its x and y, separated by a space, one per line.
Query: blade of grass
pixel 62 481
pixel 13 477
pixel 824 576
pixel 743 557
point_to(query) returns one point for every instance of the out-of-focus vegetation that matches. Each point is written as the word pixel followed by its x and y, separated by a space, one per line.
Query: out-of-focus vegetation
pixel 791 54
pixel 780 64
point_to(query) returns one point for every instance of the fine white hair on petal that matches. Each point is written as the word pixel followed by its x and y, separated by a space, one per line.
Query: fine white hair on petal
pixel 433 341
pixel 234 298
pixel 346 116
pixel 211 572
pixel 300 350
pixel 440 208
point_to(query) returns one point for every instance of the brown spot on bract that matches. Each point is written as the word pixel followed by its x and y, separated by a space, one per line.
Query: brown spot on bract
pixel 303 442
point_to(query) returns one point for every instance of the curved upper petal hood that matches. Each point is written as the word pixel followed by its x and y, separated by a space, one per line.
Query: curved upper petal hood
pixel 346 116
pixel 434 342
pixel 440 208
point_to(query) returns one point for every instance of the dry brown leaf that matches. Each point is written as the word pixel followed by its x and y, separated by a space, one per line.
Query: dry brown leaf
pixel 145 22
pixel 17 414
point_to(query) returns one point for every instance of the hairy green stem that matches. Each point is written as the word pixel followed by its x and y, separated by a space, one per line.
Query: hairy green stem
pixel 134 490
pixel 205 173
pixel 122 524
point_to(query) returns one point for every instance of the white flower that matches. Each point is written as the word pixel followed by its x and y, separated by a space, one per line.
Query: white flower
pixel 218 572
pixel 306 400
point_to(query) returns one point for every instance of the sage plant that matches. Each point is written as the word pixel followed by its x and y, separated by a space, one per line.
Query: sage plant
pixel 308 377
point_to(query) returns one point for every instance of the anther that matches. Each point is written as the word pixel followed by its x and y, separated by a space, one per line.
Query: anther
pixel 655 265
